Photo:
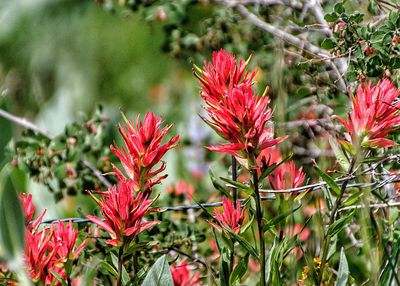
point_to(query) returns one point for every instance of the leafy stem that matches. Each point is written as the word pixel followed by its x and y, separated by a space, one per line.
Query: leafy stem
pixel 120 260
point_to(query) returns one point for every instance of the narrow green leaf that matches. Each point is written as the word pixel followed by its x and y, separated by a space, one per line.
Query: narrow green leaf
pixel 238 185
pixel 343 272
pixel 224 268
pixel 328 179
pixel 159 274
pixel 108 267
pixel 272 168
pixel 218 186
pixel 58 277
pixel 340 156
pixel 245 244
pixel 276 220
pixel 240 269
pixel 338 225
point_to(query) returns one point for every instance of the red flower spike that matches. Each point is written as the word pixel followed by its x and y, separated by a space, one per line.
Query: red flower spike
pixel 65 238
pixel 221 75
pixel 287 176
pixel 29 211
pixel 123 210
pixel 230 218
pixel 143 150
pixel 181 275
pixel 374 115
pixel 242 120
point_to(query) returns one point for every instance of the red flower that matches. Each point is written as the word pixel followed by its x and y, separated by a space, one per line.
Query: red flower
pixel 123 212
pixel 143 150
pixel 221 75
pixel 235 112
pixel 374 115
pixel 242 120
pixel 64 237
pixel 287 176
pixel 29 211
pixel 40 253
pixel 230 218
pixel 181 275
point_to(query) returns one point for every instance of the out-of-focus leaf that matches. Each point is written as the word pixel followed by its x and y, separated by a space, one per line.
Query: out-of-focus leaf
pixel 240 269
pixel 343 272
pixel 12 225
pixel 159 274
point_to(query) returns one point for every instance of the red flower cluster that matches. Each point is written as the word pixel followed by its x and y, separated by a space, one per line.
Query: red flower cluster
pixel 181 275
pixel 50 249
pixel 124 205
pixel 181 188
pixel 235 111
pixel 286 176
pixel 374 115
pixel 123 210
pixel 230 217
pixel 143 150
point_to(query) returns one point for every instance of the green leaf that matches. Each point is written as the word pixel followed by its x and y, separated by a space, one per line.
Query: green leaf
pixel 58 277
pixel 240 269
pixel 339 8
pixel 238 185
pixel 245 244
pixel 276 220
pixel 340 156
pixel 343 272
pixel 12 224
pixel 328 44
pixel 125 275
pixel 331 17
pixel 272 168
pixel 338 225
pixel 328 179
pixel 268 263
pixel 218 186
pixel 159 274
pixel 108 267
pixel 224 268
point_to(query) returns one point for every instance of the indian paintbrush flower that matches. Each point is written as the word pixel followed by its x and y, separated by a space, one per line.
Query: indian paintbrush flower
pixel 143 150
pixel 375 114
pixel 231 217
pixel 286 176
pixel 181 275
pixel 123 210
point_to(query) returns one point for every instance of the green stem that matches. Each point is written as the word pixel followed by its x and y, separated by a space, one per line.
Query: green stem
pixel 234 195
pixel 260 224
pixel 327 238
pixel 120 260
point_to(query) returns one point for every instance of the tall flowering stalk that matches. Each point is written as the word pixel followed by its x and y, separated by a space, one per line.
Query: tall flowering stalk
pixel 240 117
pixel 375 114
pixel 125 205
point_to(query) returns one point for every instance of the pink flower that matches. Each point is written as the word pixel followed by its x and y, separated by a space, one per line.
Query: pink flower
pixel 230 217
pixel 123 211
pixel 29 211
pixel 374 115
pixel 286 176
pixel 181 275
pixel 143 150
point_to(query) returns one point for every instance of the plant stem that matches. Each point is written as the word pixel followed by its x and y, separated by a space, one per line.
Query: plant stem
pixel 234 195
pixel 120 254
pixel 260 224
pixel 327 238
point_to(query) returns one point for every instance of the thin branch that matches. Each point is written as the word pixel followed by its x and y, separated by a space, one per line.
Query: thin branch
pixel 29 125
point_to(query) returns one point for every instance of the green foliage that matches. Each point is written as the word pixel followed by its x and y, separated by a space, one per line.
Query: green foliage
pixel 159 274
